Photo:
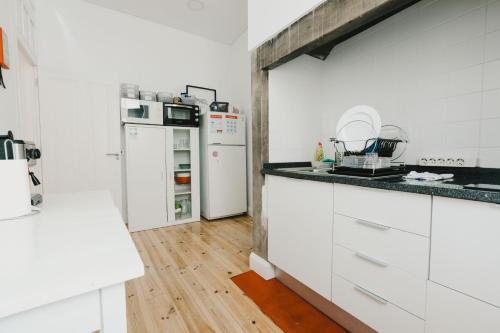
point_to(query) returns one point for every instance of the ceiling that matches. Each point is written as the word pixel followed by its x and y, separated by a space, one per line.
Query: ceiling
pixel 220 20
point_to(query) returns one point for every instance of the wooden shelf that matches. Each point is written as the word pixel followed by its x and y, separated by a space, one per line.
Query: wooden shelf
pixel 181 217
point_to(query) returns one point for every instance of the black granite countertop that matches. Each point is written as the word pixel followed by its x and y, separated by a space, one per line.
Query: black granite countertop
pixel 452 188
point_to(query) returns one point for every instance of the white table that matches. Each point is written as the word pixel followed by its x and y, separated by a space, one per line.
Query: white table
pixel 64 270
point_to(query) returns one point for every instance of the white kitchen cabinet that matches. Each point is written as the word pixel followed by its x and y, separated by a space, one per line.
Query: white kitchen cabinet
pixel 373 310
pixel 404 211
pixel 451 311
pixel 64 269
pixel 381 256
pixel 300 219
pixel 146 177
pixel 154 155
pixel 403 250
pixel 465 248
pixel 381 277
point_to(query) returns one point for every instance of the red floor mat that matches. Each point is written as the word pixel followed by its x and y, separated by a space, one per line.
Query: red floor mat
pixel 285 308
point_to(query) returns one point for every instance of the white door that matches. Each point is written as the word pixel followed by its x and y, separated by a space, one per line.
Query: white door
pixel 80 131
pixel 300 222
pixel 464 247
pixel 146 177
pixel 227 180
pixel 451 311
pixel 195 173
pixel 170 168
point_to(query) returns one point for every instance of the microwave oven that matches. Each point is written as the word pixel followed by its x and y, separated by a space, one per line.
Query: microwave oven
pixel 134 111
pixel 181 115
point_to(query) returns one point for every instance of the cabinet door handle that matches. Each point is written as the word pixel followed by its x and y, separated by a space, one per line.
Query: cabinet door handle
pixel 371 259
pixel 116 155
pixel 373 225
pixel 370 294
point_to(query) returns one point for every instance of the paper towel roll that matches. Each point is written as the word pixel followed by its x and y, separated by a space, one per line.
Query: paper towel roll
pixel 15 196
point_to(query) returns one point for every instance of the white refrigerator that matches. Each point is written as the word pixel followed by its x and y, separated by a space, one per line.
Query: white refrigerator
pixel 223 165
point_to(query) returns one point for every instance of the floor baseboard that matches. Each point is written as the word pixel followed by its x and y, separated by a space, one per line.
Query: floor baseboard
pixel 262 267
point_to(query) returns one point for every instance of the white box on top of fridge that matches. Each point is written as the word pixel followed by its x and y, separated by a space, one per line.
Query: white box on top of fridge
pixel 223 165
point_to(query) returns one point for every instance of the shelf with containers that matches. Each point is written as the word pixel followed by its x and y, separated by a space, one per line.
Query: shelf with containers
pixel 184 170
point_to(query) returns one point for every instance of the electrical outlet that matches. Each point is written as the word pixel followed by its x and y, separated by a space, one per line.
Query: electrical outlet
pixel 455 161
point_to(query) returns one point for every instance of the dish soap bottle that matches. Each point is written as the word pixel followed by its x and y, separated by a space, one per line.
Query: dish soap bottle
pixel 319 155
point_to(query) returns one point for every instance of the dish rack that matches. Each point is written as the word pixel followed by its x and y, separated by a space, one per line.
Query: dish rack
pixel 382 147
pixel 377 153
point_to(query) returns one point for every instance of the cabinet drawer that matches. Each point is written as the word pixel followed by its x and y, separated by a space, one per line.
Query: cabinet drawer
pixel 451 311
pixel 391 283
pixel 405 211
pixel 465 248
pixel 374 311
pixel 404 250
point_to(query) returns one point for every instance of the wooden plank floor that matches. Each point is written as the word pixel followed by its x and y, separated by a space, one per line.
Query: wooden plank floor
pixel 187 285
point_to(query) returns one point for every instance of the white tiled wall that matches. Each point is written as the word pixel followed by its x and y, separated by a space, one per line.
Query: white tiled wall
pixel 295 110
pixel 433 69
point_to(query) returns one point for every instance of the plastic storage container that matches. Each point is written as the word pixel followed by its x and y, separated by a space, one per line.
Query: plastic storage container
pixel 147 95
pixel 183 178
pixel 165 97
pixel 128 90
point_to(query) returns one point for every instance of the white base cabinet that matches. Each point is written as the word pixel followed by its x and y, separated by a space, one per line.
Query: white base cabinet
pixel 381 246
pixel 374 311
pixel 404 211
pixel 300 215
pixel 382 279
pixel 402 250
pixel 386 266
pixel 153 157
pixel 453 312
pixel 146 177
pixel 466 248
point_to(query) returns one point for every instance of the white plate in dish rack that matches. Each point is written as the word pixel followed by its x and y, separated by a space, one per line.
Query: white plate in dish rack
pixel 357 125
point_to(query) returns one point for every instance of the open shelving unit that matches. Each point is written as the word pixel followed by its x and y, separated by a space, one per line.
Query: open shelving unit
pixel 185 150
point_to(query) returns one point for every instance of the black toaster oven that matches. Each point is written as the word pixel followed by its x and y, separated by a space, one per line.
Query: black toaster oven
pixel 181 115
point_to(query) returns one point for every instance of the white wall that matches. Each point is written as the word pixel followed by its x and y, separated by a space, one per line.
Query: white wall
pixel 88 42
pixel 433 69
pixel 295 110
pixel 9 119
pixel 82 47
pixel 240 92
pixel 266 18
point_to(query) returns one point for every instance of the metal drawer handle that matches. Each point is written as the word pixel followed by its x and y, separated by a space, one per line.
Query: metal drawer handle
pixel 370 294
pixel 372 225
pixel 371 259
